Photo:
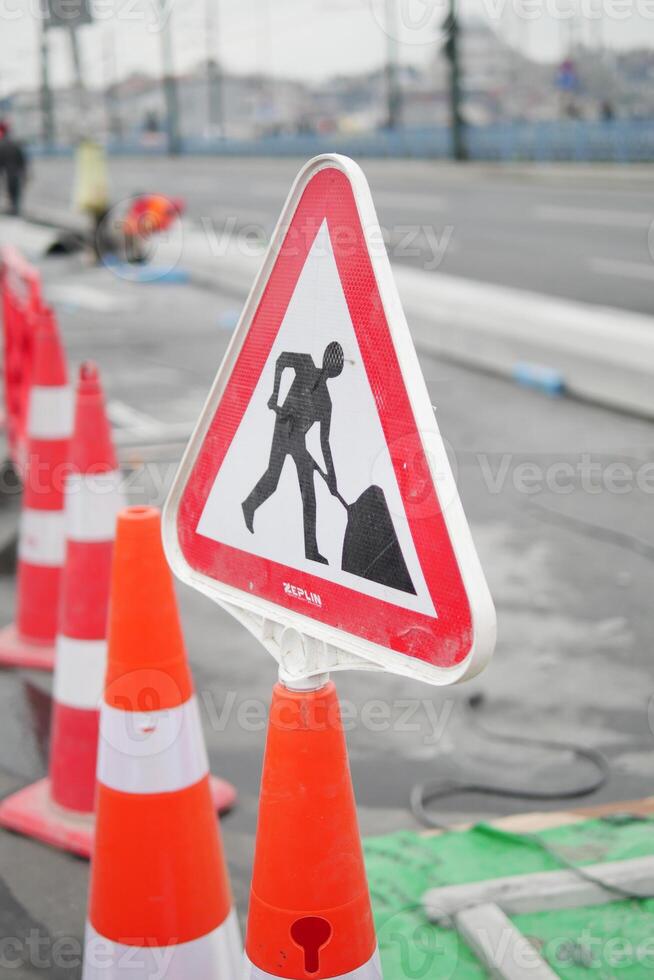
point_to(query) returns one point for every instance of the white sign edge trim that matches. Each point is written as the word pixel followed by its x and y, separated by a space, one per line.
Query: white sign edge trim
pixel 482 609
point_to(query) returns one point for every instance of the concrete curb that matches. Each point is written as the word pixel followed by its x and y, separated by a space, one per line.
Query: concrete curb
pixel 32 238
pixel 600 354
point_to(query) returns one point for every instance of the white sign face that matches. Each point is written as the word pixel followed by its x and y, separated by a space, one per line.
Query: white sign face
pixel 316 492
pixel 317 316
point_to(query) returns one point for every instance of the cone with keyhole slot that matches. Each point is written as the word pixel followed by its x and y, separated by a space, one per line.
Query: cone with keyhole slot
pixel 30 641
pixel 310 916
pixel 159 884
pixel 59 810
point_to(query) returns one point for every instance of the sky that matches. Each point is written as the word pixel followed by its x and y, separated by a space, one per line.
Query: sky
pixel 305 39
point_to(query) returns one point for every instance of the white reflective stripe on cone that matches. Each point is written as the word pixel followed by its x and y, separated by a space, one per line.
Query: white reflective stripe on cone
pixel 93 502
pixel 79 672
pixel 50 412
pixel 370 971
pixel 151 752
pixel 42 538
pixel 214 957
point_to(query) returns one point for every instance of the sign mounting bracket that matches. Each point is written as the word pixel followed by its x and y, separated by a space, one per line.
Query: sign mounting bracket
pixel 298 655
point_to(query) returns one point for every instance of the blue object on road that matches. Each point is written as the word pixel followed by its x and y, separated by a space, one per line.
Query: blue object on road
pixel 146 273
pixel 229 319
pixel 177 275
pixel 540 377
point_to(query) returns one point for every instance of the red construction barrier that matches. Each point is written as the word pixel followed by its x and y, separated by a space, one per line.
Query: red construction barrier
pixel 59 810
pixel 22 312
pixel 42 538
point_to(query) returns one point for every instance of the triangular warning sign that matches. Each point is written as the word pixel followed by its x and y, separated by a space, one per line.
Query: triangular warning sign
pixel 275 459
pixel 317 488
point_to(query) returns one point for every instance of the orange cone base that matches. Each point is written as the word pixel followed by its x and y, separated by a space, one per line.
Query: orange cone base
pixel 32 813
pixel 17 652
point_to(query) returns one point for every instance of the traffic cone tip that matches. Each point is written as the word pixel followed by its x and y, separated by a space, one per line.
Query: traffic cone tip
pixel 147 652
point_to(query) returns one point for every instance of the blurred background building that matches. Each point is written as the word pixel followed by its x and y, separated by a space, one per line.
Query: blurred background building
pixel 503 87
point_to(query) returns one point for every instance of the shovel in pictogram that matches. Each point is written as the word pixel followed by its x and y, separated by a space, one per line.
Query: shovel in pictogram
pixel 370 548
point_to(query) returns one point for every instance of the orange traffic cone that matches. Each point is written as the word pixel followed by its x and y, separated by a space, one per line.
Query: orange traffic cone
pixel 59 810
pixel 30 643
pixel 160 901
pixel 310 914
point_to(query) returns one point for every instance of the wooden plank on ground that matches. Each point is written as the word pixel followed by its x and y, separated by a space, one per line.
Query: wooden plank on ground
pixel 544 891
pixel 642 808
pixel 537 821
pixel 505 952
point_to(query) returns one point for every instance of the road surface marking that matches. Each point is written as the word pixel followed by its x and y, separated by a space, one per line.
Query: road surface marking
pixel 243 216
pixel 89 298
pixel 588 216
pixel 404 199
pixel 618 267
pixel 126 417
pixel 135 425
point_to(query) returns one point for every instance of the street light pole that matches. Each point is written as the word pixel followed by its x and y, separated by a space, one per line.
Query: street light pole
pixel 80 89
pixel 393 94
pixel 452 53
pixel 597 29
pixel 215 101
pixel 569 29
pixel 169 81
pixel 263 28
pixel 47 107
pixel 112 109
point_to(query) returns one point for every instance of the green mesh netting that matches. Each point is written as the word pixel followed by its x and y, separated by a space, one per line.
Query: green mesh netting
pixel 609 942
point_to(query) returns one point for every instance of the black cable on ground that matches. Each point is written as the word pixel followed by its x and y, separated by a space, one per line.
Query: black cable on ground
pixel 599 532
pixel 431 790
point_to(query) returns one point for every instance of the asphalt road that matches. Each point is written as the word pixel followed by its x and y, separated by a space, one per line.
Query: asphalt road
pixel 577 232
pixel 559 495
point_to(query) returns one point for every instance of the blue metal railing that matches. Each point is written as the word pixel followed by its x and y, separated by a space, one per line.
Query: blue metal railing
pixel 617 141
